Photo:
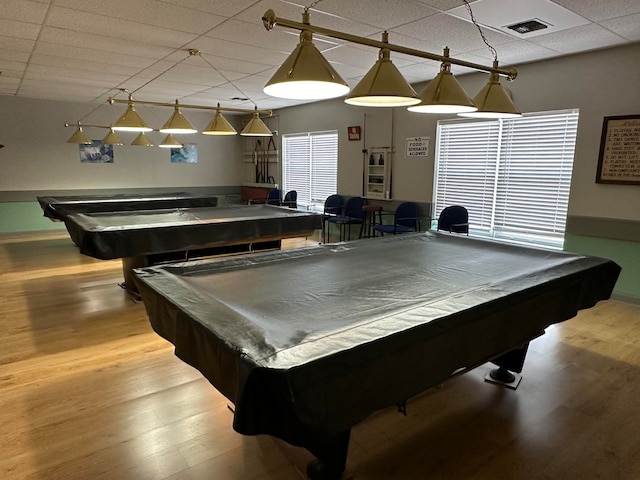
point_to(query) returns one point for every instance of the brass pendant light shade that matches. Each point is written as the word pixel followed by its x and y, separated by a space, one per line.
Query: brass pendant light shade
pixel 142 141
pixel 170 142
pixel 178 123
pixel 493 101
pixel 219 125
pixel 306 74
pixel 383 86
pixel 256 127
pixel 112 138
pixel 79 137
pixel 444 94
pixel 131 121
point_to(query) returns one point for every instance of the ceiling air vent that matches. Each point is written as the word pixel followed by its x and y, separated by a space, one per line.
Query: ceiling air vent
pixel 528 26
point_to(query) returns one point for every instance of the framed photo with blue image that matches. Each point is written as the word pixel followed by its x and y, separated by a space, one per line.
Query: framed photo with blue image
pixel 97 152
pixel 188 153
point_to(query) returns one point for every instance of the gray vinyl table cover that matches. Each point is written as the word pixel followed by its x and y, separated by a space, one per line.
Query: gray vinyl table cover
pixel 110 235
pixel 58 207
pixel 308 342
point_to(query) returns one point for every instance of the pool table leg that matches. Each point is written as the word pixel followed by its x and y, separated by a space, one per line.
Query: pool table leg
pixel 512 361
pixel 331 457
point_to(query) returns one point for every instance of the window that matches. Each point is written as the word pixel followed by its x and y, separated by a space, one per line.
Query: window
pixel 512 175
pixel 310 166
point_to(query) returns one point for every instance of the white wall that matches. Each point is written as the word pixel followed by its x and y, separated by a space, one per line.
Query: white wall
pixel 601 83
pixel 36 156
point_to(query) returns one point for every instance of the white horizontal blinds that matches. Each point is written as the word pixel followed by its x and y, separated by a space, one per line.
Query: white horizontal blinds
pixel 310 165
pixel 296 166
pixel 324 165
pixel 513 175
pixel 535 165
pixel 466 169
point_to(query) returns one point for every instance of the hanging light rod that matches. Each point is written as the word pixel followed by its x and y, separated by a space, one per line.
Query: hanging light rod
pixel 112 100
pixel 270 20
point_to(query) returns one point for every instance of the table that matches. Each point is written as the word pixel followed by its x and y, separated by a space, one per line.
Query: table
pixel 147 237
pixel 57 207
pixel 307 343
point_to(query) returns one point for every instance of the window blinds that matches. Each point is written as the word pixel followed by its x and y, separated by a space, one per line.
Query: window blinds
pixel 513 175
pixel 310 164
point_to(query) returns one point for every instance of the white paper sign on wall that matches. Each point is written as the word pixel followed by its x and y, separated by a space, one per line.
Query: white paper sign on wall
pixel 418 146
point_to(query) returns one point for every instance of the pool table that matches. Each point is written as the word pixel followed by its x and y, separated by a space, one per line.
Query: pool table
pixel 306 343
pixel 146 237
pixel 58 207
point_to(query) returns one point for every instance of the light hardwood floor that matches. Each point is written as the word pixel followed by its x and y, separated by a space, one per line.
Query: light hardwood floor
pixel 88 391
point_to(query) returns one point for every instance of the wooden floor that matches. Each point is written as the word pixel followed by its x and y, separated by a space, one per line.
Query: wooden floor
pixel 88 391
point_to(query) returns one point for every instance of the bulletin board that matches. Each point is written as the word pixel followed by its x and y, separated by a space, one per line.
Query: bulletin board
pixel 619 160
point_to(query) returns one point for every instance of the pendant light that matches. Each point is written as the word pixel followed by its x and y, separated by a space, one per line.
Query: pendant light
pixel 444 94
pixel 306 74
pixel 112 138
pixel 131 121
pixel 79 137
pixel 493 101
pixel 178 123
pixel 383 85
pixel 256 127
pixel 219 125
pixel 170 142
pixel 142 140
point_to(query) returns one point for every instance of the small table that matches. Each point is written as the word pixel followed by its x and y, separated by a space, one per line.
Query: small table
pixel 370 219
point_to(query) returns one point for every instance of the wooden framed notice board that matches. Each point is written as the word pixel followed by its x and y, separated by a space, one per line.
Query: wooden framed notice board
pixel 619 160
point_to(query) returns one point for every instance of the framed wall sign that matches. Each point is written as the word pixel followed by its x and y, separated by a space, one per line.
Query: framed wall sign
pixel 619 160
pixel 354 133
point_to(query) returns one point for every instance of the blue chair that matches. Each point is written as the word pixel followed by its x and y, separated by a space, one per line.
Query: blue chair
pixel 332 207
pixel 406 219
pixel 353 215
pixel 291 199
pixel 454 219
pixel 274 197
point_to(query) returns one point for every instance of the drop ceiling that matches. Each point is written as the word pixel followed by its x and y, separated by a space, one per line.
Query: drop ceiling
pixel 88 50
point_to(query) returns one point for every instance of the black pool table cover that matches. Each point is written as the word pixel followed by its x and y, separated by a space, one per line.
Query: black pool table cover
pixel 110 235
pixel 58 207
pixel 306 343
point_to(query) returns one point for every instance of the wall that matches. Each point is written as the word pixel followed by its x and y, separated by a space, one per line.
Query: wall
pixel 602 219
pixel 36 159
pixel 601 83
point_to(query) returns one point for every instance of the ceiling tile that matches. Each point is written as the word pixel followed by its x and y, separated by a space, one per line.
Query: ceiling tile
pixel 597 10
pixel 24 10
pixel 117 29
pixel 579 39
pixel 627 27
pixel 15 28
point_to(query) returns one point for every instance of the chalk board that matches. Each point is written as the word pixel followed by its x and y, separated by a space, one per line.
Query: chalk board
pixel 619 160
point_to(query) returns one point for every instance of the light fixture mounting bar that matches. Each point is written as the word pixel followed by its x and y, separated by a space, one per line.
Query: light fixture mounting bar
pixel 112 100
pixel 85 125
pixel 270 20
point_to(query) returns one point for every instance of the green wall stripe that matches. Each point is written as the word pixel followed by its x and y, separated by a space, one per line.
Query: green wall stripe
pixel 625 254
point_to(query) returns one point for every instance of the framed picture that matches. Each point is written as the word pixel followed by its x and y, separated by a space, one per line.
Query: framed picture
pixel 354 133
pixel 188 153
pixel 619 160
pixel 97 152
